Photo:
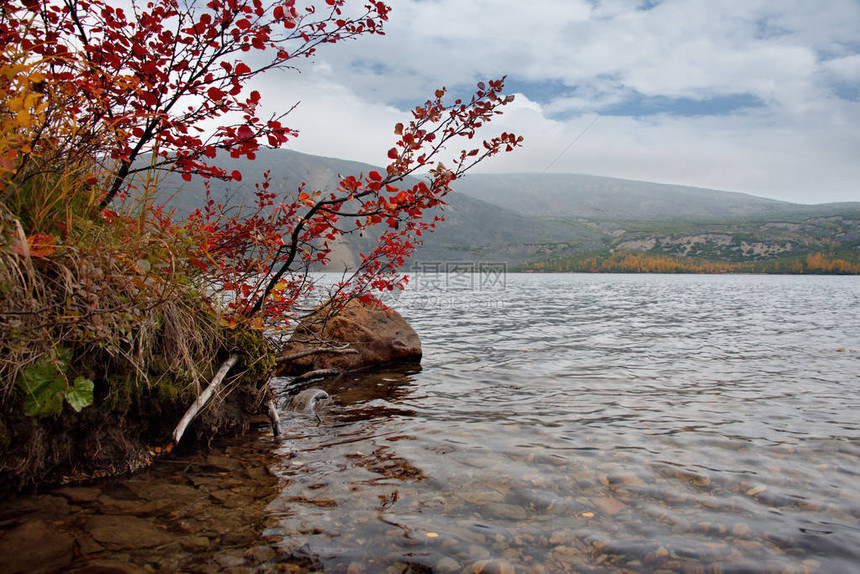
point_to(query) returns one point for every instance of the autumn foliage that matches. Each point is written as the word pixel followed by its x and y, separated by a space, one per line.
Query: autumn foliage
pixel 119 83
pixel 100 98
pixel 98 103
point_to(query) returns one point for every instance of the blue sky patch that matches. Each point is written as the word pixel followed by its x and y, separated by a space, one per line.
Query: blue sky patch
pixel 640 105
pixel 649 4
pixel 846 91
pixel 541 91
pixel 374 67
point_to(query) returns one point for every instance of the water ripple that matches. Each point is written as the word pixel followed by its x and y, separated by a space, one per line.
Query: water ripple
pixel 595 423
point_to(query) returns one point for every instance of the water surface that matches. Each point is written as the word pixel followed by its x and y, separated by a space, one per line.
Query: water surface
pixel 558 423
pixel 593 423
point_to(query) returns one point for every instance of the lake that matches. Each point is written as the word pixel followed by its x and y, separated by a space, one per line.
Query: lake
pixel 592 423
pixel 557 423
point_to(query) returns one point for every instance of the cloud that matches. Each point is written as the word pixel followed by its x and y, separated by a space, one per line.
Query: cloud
pixel 750 95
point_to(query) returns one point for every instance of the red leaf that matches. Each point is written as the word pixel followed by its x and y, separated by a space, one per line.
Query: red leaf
pixel 242 68
pixel 375 176
pixel 243 24
pixel 214 93
pixel 392 153
pixel 236 175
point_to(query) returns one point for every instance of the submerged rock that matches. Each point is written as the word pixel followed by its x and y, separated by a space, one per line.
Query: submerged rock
pixel 128 532
pixel 492 567
pixel 36 545
pixel 107 566
pixel 380 336
pixel 308 401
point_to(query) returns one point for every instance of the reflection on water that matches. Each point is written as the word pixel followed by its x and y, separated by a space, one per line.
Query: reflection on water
pixel 593 424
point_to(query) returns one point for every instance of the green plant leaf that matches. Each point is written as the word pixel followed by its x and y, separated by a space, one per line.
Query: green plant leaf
pixel 44 386
pixel 81 394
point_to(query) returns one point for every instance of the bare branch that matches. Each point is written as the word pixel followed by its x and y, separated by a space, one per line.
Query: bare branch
pixel 203 398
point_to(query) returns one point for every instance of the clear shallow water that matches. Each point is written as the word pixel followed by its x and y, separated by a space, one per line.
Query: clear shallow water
pixel 593 423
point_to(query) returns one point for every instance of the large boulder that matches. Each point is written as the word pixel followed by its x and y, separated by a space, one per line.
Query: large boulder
pixel 378 334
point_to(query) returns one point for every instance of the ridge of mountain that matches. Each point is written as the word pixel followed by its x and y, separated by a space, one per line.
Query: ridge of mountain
pixel 609 198
pixel 544 195
pixel 529 221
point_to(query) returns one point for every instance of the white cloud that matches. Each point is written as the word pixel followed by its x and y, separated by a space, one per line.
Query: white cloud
pixel 331 119
pixel 797 60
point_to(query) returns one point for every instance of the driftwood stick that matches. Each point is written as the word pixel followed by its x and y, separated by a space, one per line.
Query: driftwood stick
pixel 273 416
pixel 203 398
pixel 305 353
pixel 316 375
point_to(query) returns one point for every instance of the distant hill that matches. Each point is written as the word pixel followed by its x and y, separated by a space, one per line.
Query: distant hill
pixel 556 221
pixel 474 230
pixel 608 198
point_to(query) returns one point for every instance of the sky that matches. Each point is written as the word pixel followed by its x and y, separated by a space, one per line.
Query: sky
pixel 756 96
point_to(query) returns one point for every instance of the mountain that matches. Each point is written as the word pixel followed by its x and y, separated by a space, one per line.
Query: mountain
pixel 557 221
pixel 473 230
pixel 607 198
pixel 674 227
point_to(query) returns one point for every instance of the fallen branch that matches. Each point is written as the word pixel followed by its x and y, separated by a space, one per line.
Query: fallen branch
pixel 299 355
pixel 203 398
pixel 317 374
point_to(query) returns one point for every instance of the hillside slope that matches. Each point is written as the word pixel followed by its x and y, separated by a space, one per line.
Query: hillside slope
pixel 473 229
pixel 554 221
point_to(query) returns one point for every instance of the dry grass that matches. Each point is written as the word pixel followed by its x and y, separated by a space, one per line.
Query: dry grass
pixel 100 300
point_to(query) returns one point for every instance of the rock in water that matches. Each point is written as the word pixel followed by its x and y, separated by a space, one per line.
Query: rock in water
pixel 308 401
pixel 36 544
pixel 380 336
